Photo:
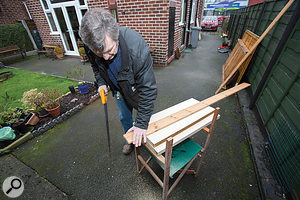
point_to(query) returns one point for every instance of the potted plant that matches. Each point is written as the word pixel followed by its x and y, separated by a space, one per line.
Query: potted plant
pixel 78 74
pixel 82 54
pixel 36 101
pixel 58 51
pixel 15 117
pixel 52 103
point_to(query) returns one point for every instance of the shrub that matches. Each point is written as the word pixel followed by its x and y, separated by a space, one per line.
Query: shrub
pixel 51 97
pixel 58 50
pixel 34 99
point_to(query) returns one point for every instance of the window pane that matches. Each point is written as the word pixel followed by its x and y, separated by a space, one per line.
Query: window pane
pixel 74 21
pixel 64 29
pixel 83 11
pixel 52 24
pixel 59 1
pixel 115 14
pixel 45 4
pixel 81 2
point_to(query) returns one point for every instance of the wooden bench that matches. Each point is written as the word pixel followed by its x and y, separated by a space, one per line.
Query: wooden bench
pixel 6 51
pixel 48 49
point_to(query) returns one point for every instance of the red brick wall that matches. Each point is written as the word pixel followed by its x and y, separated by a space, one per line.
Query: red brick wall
pixel 9 12
pixel 149 18
pixel 38 15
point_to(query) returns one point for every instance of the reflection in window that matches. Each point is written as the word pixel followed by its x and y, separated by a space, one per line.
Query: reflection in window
pixel 81 2
pixel 51 20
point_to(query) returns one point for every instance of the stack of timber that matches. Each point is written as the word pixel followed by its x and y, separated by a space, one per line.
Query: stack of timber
pixel 181 129
pixel 184 120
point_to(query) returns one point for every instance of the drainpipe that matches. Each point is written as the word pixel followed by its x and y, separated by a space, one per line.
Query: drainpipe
pixel 27 10
pixel 276 54
pixel 29 34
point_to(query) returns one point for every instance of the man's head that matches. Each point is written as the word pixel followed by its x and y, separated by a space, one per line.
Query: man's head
pixel 100 32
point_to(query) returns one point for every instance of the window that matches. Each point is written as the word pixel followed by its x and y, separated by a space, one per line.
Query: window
pixel 51 21
pixel 182 13
pixel 193 12
pixel 114 14
pixel 112 6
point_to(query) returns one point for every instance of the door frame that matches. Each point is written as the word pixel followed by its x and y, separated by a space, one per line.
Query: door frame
pixel 63 5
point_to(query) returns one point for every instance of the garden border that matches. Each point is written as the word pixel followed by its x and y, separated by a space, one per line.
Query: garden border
pixel 63 117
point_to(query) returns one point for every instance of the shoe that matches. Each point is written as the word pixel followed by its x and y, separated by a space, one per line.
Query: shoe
pixel 127 149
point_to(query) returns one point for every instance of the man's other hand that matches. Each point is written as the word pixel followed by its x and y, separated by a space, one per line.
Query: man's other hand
pixel 138 135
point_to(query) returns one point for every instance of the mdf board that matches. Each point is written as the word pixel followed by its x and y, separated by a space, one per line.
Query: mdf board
pixel 180 130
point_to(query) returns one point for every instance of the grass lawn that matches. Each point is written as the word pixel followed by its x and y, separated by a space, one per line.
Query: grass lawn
pixel 23 81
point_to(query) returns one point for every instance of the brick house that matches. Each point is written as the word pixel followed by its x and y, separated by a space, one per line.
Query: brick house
pixel 11 14
pixel 164 24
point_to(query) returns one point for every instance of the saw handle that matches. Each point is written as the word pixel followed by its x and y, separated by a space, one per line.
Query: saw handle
pixel 103 96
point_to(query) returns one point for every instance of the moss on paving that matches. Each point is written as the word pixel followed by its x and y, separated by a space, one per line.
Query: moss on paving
pixel 42 143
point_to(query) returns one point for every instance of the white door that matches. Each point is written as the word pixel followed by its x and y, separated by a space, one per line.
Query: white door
pixel 68 16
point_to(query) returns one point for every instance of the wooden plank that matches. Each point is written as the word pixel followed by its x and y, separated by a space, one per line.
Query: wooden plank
pixel 190 131
pixel 166 121
pixel 160 158
pixel 172 130
pixel 255 44
pixel 243 46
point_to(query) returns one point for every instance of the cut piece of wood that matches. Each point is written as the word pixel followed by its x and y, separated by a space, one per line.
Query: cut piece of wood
pixel 255 45
pixel 172 130
pixel 166 121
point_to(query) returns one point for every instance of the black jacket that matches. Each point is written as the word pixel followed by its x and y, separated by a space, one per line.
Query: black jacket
pixel 135 78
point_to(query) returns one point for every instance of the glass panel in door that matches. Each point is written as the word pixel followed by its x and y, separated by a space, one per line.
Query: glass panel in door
pixel 73 21
pixel 64 29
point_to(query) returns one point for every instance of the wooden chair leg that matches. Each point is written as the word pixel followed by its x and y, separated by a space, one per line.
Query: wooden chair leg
pixel 211 130
pixel 168 157
pixel 138 163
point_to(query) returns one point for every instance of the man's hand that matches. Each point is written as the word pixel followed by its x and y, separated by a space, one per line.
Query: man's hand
pixel 103 87
pixel 138 135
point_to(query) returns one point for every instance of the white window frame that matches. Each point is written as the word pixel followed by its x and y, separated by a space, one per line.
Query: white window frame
pixel 192 20
pixel 181 13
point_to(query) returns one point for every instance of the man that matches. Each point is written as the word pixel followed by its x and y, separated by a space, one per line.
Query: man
pixel 121 62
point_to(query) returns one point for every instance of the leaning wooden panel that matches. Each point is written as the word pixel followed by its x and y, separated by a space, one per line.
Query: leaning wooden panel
pixel 252 49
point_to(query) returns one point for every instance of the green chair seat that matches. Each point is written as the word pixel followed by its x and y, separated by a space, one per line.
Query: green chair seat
pixel 182 154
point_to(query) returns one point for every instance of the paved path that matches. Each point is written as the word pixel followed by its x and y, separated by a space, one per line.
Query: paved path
pixel 71 160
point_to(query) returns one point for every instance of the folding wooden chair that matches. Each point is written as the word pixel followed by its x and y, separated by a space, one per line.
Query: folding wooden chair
pixel 179 158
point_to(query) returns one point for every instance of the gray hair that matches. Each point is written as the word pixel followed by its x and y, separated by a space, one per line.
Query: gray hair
pixel 94 25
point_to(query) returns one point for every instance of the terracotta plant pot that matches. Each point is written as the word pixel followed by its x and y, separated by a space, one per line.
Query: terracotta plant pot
pixel 55 112
pixel 60 56
pixel 33 119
